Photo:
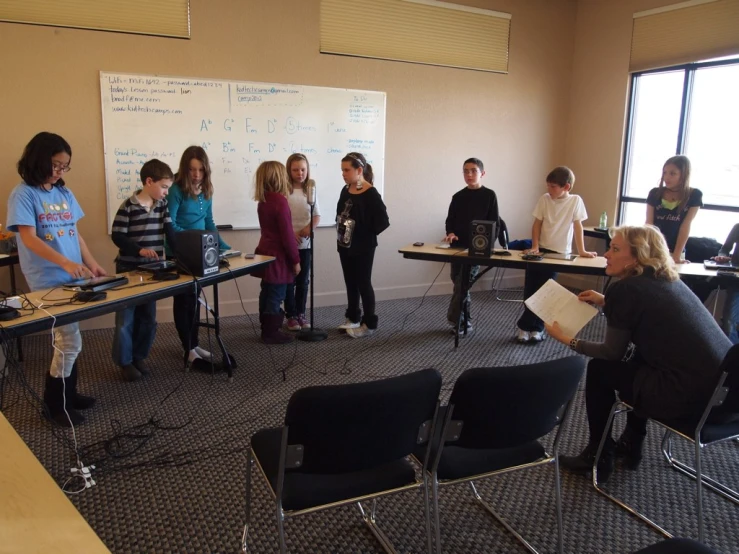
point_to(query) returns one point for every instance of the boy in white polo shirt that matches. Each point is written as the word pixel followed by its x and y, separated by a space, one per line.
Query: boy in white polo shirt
pixel 558 216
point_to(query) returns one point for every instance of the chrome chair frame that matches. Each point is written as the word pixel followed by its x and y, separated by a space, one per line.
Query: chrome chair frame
pixel 368 516
pixel 717 399
pixel 451 431
pixel 497 280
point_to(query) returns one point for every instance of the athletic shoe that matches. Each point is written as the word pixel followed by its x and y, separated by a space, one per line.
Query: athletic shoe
pixel 293 324
pixel 359 332
pixel 537 336
pixel 523 336
pixel 348 324
pixel 130 373
pixel 304 323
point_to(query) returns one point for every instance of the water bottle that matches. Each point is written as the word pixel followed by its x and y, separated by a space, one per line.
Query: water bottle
pixel 603 221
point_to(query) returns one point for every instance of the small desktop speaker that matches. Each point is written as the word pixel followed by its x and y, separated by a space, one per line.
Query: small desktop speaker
pixel 197 252
pixel 481 238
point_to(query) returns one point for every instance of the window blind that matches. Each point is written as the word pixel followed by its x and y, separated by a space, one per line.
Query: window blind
pixel 168 18
pixel 685 32
pixel 420 31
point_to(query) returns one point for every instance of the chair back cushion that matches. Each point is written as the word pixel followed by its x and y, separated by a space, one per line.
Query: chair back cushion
pixel 354 427
pixel 503 407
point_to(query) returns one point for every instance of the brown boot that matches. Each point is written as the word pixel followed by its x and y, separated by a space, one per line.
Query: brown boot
pixel 271 333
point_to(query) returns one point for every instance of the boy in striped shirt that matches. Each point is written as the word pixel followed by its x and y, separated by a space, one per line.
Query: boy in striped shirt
pixel 139 229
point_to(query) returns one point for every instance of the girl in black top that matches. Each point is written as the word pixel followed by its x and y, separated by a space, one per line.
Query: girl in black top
pixel 673 205
pixel 360 216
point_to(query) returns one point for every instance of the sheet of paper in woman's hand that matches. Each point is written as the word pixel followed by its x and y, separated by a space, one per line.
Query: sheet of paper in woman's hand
pixel 552 302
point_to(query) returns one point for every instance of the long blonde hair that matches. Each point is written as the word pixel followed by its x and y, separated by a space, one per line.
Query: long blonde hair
pixel 298 157
pixel 271 177
pixel 647 244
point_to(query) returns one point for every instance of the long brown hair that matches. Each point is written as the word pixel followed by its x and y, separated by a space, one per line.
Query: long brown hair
pixel 682 163
pixel 359 161
pixel 183 173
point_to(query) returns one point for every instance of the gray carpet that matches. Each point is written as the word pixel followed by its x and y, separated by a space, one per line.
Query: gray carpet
pixel 177 484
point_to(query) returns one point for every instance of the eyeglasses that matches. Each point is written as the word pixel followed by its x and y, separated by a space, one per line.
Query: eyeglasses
pixel 56 166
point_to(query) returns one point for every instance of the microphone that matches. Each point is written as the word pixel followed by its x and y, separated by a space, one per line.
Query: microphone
pixel 310 191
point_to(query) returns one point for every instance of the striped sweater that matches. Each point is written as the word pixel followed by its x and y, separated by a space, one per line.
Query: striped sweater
pixel 136 227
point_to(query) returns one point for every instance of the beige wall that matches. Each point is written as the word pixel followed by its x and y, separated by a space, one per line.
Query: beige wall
pixel 436 117
pixel 600 84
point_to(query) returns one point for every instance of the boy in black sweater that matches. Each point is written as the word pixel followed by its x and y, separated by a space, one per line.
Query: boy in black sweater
pixel 470 203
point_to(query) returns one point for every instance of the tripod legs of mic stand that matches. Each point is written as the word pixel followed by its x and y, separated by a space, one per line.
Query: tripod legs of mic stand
pixel 312 334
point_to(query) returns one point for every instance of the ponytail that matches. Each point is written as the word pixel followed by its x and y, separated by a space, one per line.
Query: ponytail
pixel 369 175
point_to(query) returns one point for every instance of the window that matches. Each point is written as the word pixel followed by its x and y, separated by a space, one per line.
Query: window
pixel 692 110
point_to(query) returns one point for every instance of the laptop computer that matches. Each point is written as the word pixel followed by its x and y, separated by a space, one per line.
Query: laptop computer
pixel 558 256
pixel 160 266
pixel 97 283
pixel 722 266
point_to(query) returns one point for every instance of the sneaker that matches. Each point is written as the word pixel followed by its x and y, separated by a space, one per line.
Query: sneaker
pixel 142 366
pixel 359 332
pixel 348 324
pixel 130 373
pixel 461 329
pixel 583 463
pixel 304 323
pixel 536 336
pixel 293 324
pixel 523 336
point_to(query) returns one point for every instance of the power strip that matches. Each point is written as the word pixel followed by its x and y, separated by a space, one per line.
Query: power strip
pixel 12 302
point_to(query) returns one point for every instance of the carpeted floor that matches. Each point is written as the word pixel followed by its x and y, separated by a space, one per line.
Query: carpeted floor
pixel 170 449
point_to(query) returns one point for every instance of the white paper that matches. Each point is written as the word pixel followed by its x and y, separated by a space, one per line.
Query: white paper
pixel 552 302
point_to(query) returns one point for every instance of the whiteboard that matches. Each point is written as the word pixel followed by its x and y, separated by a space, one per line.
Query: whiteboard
pixel 240 124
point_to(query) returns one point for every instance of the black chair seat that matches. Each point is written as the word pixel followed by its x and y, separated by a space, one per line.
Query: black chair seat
pixel 306 490
pixel 458 463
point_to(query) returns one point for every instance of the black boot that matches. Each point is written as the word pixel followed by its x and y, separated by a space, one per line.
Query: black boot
pixel 629 447
pixel 583 464
pixel 54 403
pixel 79 401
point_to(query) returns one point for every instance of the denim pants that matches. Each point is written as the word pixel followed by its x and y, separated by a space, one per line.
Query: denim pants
pixel 67 346
pixel 271 297
pixel 135 329
pixel 454 312
pixel 296 295
pixel 535 279
pixel 730 319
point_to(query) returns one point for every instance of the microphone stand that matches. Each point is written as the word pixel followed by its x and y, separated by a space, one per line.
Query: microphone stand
pixel 312 334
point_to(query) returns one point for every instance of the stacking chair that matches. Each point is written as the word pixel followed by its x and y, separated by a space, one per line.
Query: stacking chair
pixel 345 444
pixel 492 425
pixel 718 423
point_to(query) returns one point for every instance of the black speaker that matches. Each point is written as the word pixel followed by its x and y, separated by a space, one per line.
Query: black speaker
pixel 197 251
pixel 481 238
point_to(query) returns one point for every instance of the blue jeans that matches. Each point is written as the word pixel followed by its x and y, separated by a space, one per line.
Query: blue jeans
pixel 535 278
pixel 730 320
pixel 271 297
pixel 135 329
pixel 296 295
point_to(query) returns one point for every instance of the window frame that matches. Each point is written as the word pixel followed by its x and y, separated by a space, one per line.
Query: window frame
pixel 689 70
